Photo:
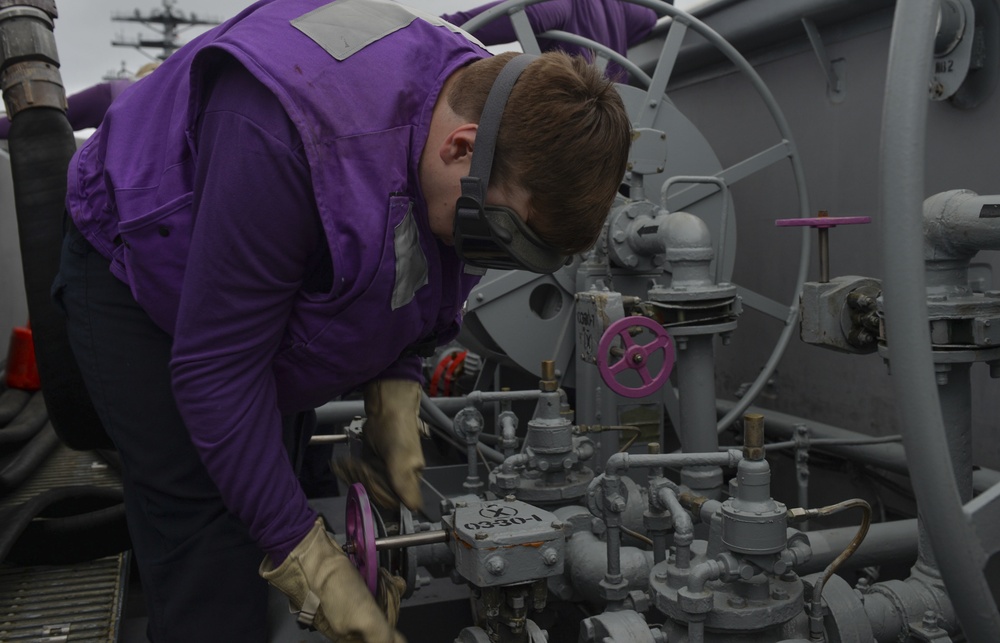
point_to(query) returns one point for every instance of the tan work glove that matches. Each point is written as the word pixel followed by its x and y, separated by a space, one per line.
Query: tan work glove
pixel 392 458
pixel 329 593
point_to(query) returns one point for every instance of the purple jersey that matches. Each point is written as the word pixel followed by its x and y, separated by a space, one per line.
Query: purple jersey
pixel 253 336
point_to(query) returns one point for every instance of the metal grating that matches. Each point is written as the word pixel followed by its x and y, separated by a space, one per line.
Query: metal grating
pixel 63 468
pixel 73 603
pixel 80 602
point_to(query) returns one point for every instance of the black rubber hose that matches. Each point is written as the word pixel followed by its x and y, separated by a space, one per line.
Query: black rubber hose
pixel 12 400
pixel 27 424
pixel 42 531
pixel 41 145
pixel 27 459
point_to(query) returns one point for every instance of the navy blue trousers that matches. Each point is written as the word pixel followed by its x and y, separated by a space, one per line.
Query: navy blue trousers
pixel 196 560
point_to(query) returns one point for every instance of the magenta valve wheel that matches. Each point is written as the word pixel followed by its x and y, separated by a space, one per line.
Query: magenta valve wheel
pixel 636 356
pixel 822 222
pixel 361 535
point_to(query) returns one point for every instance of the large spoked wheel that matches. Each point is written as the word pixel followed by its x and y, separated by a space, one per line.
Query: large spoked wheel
pixel 965 539
pixel 551 297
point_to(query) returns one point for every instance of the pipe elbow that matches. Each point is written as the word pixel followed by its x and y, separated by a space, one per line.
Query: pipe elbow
pixel 947 218
pixel 584 448
pixel 617 464
pixel 685 231
pixel 515 461
pixel 682 522
pixel 701 574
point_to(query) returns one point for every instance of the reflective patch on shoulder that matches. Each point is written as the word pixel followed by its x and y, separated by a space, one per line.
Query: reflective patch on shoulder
pixel 345 27
pixel 411 264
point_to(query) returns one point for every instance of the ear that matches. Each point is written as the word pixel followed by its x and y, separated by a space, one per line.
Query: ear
pixel 459 144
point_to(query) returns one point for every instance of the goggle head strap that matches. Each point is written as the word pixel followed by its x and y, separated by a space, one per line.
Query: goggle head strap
pixel 495 237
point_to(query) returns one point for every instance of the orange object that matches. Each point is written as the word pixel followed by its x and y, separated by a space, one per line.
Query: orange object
pixel 22 369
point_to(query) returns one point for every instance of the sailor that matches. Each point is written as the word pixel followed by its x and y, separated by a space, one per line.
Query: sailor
pixel 616 24
pixel 290 209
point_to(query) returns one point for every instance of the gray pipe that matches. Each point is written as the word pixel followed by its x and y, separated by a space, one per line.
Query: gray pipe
pixel 447 424
pixel 904 119
pixel 891 607
pixel 587 558
pixel 683 527
pixel 954 229
pixel 889 456
pixel 696 392
pixel 702 573
pixel 516 461
pixel 508 433
pixel 619 463
pixel 886 543
pixel 346 410
pixel 955 392
pixel 689 251
pixel 343 411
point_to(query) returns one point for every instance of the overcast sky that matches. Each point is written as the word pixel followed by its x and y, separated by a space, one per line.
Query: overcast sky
pixel 85 29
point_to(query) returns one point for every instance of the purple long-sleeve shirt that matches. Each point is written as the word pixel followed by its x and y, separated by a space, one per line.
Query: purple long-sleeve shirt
pixel 613 23
pixel 245 267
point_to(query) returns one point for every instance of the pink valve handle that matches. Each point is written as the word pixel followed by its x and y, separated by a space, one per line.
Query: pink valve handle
pixel 361 535
pixel 822 222
pixel 636 356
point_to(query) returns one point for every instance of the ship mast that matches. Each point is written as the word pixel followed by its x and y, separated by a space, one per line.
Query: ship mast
pixel 168 22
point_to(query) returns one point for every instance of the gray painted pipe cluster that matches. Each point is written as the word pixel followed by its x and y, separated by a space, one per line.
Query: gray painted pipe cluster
pixel 960 223
pixel 587 558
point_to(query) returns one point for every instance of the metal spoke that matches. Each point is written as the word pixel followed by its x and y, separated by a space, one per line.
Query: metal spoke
pixel 525 35
pixel 658 342
pixel 983 512
pixel 661 76
pixel 731 175
pixel 619 366
pixel 767 305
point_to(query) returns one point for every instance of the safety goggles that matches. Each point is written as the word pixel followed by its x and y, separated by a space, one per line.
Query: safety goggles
pixel 489 236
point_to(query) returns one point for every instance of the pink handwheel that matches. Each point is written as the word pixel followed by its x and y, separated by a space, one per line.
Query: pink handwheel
pixel 636 356
pixel 822 222
pixel 361 535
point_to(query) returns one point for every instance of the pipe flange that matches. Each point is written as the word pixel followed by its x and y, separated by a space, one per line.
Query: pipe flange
pixel 623 626
pixel 701 293
pixel 846 621
pixel 468 424
pixel 595 495
pixel 620 223
pixel 762 602
pixel 539 491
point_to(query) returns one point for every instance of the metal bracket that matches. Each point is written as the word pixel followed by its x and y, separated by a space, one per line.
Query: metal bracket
pixel 834 80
